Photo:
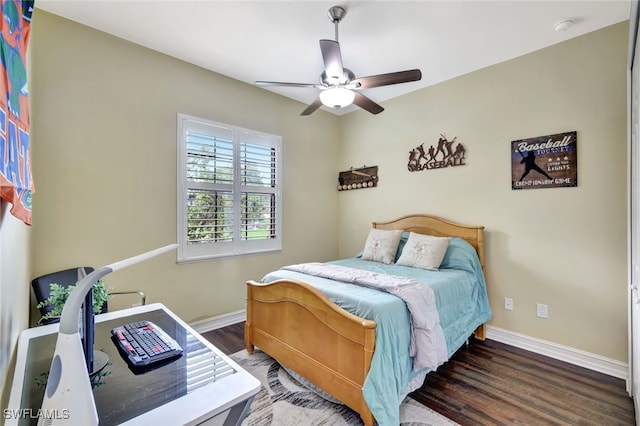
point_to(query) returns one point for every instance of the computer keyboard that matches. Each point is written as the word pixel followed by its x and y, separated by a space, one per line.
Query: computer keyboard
pixel 144 343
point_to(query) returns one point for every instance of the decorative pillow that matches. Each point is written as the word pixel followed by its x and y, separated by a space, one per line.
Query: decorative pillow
pixel 424 251
pixel 381 245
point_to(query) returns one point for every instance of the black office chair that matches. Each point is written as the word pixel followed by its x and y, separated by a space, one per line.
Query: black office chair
pixel 42 290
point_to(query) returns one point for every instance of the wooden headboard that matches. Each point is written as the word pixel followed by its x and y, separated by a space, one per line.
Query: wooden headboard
pixel 438 227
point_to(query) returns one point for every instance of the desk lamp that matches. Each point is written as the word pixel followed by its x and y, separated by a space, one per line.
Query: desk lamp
pixel 68 386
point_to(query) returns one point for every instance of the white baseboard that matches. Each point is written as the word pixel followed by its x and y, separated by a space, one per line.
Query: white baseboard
pixel 220 321
pixel 577 357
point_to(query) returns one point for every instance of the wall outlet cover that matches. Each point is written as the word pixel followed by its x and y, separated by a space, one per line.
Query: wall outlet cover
pixel 542 310
pixel 508 303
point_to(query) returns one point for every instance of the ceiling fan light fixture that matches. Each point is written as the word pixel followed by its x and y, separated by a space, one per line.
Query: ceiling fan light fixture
pixel 338 85
pixel 337 97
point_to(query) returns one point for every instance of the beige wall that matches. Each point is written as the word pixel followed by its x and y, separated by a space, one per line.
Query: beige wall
pixel 14 292
pixel 104 161
pixel 565 247
pixel 104 158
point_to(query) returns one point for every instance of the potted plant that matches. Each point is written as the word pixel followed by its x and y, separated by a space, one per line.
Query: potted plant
pixel 59 295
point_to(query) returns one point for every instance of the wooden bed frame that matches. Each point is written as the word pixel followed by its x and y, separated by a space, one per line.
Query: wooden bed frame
pixel 301 328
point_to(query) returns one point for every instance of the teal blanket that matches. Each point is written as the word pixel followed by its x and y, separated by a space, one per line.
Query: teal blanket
pixel 461 298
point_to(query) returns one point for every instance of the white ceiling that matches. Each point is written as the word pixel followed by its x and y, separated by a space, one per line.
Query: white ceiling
pixel 278 40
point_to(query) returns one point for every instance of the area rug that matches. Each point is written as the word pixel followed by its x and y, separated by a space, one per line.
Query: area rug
pixel 284 401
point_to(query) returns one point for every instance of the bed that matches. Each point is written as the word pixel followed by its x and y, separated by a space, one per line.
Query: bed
pixel 354 342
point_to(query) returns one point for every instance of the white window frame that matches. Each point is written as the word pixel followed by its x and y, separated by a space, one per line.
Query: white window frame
pixel 237 247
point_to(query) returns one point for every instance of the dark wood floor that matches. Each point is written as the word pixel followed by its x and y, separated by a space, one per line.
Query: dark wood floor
pixel 490 383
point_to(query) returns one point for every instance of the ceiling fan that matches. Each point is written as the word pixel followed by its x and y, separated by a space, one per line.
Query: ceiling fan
pixel 339 87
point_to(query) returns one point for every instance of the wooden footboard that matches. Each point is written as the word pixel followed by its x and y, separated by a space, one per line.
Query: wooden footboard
pixel 302 329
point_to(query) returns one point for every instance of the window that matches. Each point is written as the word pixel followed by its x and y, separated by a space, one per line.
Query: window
pixel 229 197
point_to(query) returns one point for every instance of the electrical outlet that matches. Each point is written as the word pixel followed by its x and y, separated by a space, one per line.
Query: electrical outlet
pixel 542 310
pixel 508 303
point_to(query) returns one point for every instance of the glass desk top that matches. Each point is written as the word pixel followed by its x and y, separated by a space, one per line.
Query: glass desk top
pixel 121 392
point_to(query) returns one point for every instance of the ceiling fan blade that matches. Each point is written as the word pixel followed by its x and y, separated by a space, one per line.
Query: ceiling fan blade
pixel 312 107
pixel 367 104
pixel 278 83
pixel 387 79
pixel 332 60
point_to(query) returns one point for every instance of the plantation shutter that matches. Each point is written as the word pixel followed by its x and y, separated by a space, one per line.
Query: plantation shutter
pixel 258 186
pixel 229 190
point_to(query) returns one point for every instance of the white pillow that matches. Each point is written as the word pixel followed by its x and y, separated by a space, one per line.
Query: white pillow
pixel 381 245
pixel 424 251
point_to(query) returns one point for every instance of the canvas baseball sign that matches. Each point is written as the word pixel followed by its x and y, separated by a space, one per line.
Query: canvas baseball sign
pixel 545 162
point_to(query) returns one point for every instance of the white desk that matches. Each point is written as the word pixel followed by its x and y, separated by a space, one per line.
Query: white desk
pixel 203 386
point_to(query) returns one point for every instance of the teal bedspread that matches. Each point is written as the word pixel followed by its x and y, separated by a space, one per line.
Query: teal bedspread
pixel 462 302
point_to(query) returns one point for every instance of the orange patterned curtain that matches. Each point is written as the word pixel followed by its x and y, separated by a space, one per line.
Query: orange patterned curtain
pixel 16 183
